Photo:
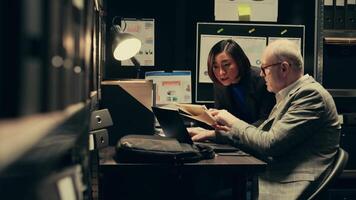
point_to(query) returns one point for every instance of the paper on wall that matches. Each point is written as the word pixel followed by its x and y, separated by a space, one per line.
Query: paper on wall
pixel 143 30
pixel 228 10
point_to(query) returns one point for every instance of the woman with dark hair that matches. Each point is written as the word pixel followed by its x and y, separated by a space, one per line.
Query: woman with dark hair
pixel 238 87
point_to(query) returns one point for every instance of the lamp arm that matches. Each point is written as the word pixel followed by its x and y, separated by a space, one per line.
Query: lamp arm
pixel 137 65
pixel 135 61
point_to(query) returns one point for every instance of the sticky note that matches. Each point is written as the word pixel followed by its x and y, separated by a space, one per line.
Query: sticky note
pixel 251 30
pixel 244 12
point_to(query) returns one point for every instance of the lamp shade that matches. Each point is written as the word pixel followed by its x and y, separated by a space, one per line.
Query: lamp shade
pixel 125 46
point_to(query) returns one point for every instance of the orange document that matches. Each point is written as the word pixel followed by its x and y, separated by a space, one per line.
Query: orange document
pixel 196 112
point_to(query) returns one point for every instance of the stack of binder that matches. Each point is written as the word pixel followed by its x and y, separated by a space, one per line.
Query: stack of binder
pixel 328 14
pixel 350 15
pixel 340 14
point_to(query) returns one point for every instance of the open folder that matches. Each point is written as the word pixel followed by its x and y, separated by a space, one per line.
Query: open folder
pixel 195 112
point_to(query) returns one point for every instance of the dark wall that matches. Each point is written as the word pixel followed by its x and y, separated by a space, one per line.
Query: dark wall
pixel 301 12
pixel 175 31
pixel 9 58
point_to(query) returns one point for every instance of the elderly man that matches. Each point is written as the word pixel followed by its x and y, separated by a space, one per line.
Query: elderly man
pixel 301 135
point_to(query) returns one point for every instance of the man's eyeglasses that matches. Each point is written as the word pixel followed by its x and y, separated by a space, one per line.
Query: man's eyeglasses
pixel 263 68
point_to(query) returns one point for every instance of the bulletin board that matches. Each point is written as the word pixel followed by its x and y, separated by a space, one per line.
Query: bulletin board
pixel 252 38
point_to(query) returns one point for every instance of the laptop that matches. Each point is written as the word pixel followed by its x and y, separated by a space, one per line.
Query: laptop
pixel 173 126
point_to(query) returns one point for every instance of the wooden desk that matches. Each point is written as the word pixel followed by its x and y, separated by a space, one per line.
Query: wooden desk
pixel 171 181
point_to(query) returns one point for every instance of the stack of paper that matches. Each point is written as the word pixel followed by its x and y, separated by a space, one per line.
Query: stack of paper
pixel 194 111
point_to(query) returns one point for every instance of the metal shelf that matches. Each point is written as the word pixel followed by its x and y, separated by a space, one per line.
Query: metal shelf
pixel 323 37
pixel 339 33
pixel 348 174
pixel 342 92
pixel 18 136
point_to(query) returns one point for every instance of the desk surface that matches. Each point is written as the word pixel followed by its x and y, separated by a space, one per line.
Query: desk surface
pixel 237 162
pixel 163 180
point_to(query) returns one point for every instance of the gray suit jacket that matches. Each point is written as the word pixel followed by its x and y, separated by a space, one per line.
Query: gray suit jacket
pixel 299 140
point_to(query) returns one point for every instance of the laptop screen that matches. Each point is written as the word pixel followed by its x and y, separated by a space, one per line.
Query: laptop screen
pixel 172 124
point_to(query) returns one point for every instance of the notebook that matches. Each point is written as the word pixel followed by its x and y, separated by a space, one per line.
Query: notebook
pixel 173 126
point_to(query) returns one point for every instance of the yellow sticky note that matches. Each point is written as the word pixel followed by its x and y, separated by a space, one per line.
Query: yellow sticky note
pixel 244 12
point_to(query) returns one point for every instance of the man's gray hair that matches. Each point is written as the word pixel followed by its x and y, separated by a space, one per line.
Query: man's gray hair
pixel 286 50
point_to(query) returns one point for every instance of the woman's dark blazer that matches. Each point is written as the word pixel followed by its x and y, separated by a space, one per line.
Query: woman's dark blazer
pixel 257 99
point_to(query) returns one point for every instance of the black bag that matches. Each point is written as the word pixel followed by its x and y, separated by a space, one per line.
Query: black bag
pixel 157 149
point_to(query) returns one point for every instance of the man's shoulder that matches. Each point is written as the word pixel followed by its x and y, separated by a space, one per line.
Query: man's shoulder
pixel 312 85
pixel 305 84
pixel 312 90
pixel 308 89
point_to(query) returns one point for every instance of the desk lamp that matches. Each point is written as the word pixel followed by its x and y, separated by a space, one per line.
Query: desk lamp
pixel 125 46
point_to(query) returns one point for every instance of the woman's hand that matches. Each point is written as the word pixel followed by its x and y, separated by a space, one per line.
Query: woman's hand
pixel 201 134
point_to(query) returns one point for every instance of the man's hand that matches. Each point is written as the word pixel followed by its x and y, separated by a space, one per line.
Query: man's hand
pixel 201 134
pixel 224 119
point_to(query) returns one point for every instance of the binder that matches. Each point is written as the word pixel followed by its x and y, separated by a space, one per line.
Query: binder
pixel 339 14
pixel 328 14
pixel 350 14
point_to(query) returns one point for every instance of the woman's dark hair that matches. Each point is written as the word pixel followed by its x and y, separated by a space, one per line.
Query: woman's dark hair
pixel 236 53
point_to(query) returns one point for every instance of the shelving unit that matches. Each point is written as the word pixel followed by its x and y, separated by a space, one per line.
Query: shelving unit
pixel 332 50
pixel 49 85
pixel 39 151
pixel 18 136
pixel 339 37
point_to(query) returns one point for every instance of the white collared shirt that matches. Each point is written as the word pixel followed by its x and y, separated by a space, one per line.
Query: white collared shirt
pixel 282 94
